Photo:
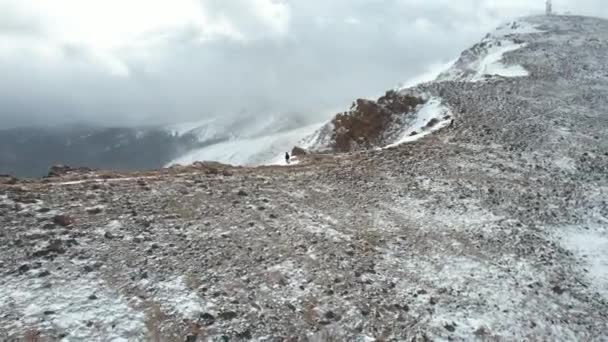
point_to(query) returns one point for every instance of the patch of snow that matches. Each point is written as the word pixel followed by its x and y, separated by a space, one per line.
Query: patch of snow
pixel 590 245
pixel 491 63
pixel 280 161
pixel 490 298
pixel 566 164
pixel 176 298
pixel 68 309
pixel 322 225
pixel 486 59
pixel 292 276
pixel 432 109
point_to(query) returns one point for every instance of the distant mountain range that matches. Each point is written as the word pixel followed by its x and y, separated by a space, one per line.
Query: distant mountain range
pixel 30 152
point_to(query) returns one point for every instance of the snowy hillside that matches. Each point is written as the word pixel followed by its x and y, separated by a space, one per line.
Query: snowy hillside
pixel 242 140
pixel 261 150
pixel 487 58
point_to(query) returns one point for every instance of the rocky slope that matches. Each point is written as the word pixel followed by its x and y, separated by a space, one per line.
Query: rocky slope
pixel 492 229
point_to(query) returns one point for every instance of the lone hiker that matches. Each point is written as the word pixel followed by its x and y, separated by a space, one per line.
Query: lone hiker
pixel 287 157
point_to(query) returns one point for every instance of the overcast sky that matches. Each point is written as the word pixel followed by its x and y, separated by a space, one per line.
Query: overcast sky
pixel 134 62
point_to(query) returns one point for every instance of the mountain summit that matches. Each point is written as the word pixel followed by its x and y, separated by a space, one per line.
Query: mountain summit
pixel 490 227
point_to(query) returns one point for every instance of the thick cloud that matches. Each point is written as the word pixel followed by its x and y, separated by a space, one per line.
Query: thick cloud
pixel 136 62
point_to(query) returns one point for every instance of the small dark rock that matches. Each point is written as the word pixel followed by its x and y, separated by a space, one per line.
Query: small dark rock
pixel 23 268
pixel 450 327
pixel 298 151
pixel 245 335
pixel 330 315
pixel 43 274
pixel 48 226
pixel 207 319
pixel 63 220
pixel 88 269
pixel 228 315
pixel 109 235
pixel 49 312
pixel 92 297
pixel 94 211
pixel 433 122
pixel 242 193
pixel 558 290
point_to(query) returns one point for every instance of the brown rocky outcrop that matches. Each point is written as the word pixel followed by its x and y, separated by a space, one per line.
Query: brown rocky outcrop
pixel 369 123
pixel 298 151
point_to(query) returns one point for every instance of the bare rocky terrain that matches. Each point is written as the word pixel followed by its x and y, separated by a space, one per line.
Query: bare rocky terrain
pixel 493 229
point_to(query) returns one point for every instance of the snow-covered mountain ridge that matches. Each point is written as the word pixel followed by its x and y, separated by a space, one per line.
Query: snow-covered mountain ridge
pixel 482 62
pixel 369 124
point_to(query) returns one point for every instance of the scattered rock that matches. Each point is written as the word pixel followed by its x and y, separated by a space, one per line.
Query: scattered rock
pixel 43 274
pixel 63 220
pixel 450 327
pixel 207 319
pixel 330 315
pixel 228 315
pixel 432 123
pixel 298 152
pixel 557 289
pixel 49 226
pixel 95 211
pixel 245 335
pixel 23 268
pixel 242 193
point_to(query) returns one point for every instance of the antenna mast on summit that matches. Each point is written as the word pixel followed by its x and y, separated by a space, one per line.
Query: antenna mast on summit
pixel 549 7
